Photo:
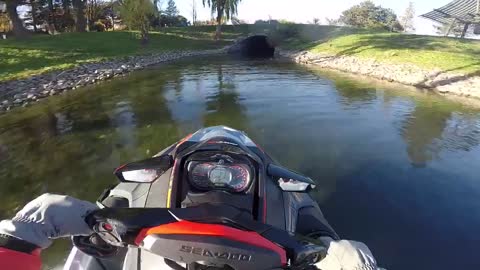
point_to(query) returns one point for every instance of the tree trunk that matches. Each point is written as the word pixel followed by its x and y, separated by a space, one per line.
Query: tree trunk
pixel 465 28
pixel 81 20
pixel 51 18
pixel 218 31
pixel 19 29
pixel 34 15
pixel 144 36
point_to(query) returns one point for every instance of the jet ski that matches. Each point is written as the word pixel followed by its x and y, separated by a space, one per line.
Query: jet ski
pixel 214 200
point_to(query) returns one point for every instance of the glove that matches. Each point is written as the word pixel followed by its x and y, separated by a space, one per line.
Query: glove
pixel 49 217
pixel 347 255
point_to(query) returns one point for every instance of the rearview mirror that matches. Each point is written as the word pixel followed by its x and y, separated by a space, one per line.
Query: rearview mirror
pixel 145 171
pixel 289 180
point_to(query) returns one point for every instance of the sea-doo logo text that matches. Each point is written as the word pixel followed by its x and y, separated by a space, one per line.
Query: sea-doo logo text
pixel 214 254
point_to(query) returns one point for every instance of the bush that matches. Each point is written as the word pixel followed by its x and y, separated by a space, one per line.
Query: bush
pixel 5 25
pixel 98 26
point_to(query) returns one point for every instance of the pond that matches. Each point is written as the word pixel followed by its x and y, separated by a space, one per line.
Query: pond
pixel 396 169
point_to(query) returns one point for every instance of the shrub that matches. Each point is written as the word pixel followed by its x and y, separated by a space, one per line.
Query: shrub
pixel 98 26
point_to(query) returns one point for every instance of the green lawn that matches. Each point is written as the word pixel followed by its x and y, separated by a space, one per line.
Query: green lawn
pixel 445 54
pixel 23 58
pixel 41 53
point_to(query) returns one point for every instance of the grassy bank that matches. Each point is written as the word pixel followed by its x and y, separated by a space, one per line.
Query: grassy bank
pixel 41 53
pixel 23 58
pixel 436 53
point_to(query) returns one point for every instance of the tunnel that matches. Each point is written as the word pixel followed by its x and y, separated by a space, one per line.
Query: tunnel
pixel 257 46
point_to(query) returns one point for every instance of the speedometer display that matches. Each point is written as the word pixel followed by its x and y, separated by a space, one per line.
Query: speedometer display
pixel 210 175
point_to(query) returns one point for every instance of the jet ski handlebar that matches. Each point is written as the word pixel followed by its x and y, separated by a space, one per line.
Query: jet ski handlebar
pixel 209 233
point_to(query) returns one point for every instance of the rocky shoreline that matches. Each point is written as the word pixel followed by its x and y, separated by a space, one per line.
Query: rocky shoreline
pixel 465 85
pixel 24 92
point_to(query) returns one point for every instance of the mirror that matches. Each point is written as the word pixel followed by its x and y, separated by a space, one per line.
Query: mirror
pixel 144 171
pixel 289 180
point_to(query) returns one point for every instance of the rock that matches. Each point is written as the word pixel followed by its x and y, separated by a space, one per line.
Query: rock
pixel 17 101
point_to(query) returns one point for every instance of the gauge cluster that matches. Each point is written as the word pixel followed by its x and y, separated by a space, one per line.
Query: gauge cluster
pixel 206 175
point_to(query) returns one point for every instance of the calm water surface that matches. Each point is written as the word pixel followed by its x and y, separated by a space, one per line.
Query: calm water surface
pixel 398 170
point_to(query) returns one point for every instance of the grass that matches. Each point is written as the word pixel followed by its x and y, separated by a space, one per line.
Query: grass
pixel 42 53
pixel 23 58
pixel 433 53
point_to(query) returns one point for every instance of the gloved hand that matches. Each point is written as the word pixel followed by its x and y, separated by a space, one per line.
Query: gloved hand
pixel 347 255
pixel 49 217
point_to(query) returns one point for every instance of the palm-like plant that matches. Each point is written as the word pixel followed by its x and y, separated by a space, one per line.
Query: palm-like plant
pixel 224 9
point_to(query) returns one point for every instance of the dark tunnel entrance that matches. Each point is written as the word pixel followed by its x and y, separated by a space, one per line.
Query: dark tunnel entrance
pixel 258 46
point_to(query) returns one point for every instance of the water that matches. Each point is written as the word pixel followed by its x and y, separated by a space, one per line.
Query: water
pixel 396 169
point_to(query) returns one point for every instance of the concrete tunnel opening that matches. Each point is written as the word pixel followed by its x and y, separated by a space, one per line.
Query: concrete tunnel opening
pixel 256 46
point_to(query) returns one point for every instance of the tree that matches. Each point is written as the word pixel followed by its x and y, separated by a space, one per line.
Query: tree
pixel 157 5
pixel 335 22
pixel 222 8
pixel 316 21
pixel 18 28
pixel 368 15
pixel 194 12
pixel 171 10
pixel 407 20
pixel 81 19
pixel 137 15
pixel 33 14
pixel 164 20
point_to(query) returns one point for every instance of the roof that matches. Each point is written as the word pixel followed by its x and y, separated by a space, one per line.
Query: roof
pixel 466 11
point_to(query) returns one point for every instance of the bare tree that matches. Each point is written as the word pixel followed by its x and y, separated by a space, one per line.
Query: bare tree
pixel 194 12
pixel 407 20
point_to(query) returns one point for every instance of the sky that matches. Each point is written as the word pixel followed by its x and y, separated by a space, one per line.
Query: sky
pixel 303 11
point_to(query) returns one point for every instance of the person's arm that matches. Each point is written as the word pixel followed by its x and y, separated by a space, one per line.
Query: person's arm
pixel 33 228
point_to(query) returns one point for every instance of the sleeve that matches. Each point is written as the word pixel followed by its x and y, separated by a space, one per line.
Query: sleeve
pixel 16 260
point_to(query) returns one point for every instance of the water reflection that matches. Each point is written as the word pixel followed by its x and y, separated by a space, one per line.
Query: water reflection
pixel 358 141
pixel 422 129
pixel 223 105
pixel 354 93
pixel 433 127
